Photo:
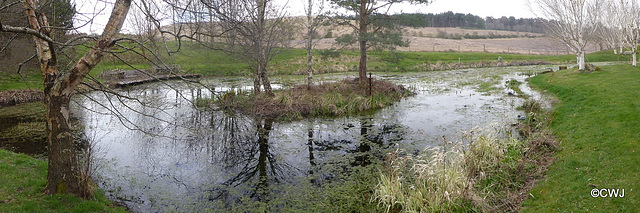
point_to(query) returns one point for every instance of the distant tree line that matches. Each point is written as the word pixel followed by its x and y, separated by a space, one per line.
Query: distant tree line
pixel 451 19
pixel 533 25
pixel 448 19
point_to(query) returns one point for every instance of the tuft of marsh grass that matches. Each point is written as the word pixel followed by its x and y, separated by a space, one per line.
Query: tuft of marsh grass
pixel 13 97
pixel 440 179
pixel 490 173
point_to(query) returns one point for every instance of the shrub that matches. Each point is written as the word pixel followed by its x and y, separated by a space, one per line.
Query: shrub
pixel 329 53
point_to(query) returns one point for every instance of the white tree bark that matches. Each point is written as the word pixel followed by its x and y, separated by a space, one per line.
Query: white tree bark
pixel 581 61
pixel 574 22
pixel 629 11
pixel 309 43
pixel 611 32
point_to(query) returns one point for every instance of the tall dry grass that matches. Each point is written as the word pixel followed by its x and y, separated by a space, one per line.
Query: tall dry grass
pixel 493 172
pixel 13 97
pixel 442 179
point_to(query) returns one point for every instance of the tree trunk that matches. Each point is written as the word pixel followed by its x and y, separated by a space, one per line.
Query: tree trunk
pixel 634 62
pixel 64 171
pixel 256 80
pixel 265 79
pixel 262 57
pixel 362 68
pixel 309 43
pixel 581 63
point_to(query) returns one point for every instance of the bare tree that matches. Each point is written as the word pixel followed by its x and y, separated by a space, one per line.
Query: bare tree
pixel 629 11
pixel 63 173
pixel 255 30
pixel 143 24
pixel 370 27
pixel 610 32
pixel 574 22
pixel 313 20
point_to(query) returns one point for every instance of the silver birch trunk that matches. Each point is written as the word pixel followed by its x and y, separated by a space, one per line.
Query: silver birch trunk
pixel 309 44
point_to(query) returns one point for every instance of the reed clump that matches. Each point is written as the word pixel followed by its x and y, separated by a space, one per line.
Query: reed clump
pixel 443 178
pixel 492 172
pixel 13 97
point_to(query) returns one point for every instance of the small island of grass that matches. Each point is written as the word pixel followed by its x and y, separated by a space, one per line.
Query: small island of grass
pixel 344 97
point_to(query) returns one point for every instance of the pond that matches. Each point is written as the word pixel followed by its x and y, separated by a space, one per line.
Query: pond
pixel 155 152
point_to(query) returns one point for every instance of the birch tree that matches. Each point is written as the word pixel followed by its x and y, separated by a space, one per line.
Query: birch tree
pixel 574 22
pixel 629 11
pixel 63 174
pixel 611 31
pixel 312 22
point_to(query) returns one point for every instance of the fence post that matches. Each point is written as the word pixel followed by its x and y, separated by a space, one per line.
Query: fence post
pixel 370 79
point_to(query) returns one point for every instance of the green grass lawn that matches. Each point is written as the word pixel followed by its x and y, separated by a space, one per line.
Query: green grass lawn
pixel 22 180
pixel 598 121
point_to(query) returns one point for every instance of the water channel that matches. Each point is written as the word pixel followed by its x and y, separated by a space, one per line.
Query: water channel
pixel 161 154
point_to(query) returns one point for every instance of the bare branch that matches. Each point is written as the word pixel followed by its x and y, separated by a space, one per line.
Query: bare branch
pixel 24 62
pixel 25 30
pixel 9 42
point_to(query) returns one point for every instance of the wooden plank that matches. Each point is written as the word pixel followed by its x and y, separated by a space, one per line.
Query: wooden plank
pixel 137 81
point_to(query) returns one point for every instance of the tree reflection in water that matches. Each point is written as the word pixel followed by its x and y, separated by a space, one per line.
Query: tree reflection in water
pixel 258 164
pixel 202 159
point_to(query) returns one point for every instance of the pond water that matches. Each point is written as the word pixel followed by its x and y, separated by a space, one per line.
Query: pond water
pixel 160 154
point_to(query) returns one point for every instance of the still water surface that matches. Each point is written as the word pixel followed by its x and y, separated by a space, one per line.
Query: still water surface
pixel 160 154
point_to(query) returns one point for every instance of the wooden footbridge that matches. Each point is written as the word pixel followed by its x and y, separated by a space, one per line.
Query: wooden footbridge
pixel 123 78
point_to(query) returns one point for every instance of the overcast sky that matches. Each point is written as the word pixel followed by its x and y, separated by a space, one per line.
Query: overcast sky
pixel 482 8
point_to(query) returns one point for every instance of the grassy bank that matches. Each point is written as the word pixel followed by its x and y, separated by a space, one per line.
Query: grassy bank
pixel 598 121
pixel 23 178
pixel 327 99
